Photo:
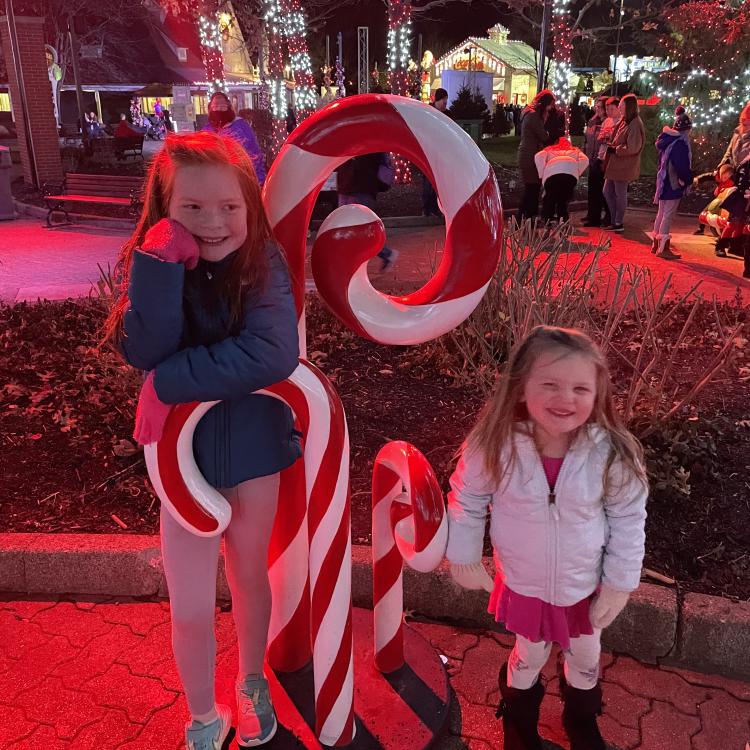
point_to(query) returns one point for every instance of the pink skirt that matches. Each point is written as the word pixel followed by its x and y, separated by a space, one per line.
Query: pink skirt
pixel 537 620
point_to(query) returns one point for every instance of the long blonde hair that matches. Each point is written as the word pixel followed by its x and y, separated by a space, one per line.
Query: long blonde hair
pixel 505 411
pixel 248 269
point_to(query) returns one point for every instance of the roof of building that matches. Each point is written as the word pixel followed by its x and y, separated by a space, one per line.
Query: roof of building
pixel 512 53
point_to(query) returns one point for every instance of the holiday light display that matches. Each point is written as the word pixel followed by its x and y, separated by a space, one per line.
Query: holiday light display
pixel 295 30
pixel 399 46
pixel 710 42
pixel 211 51
pixel 273 17
pixel 561 33
pixel 340 80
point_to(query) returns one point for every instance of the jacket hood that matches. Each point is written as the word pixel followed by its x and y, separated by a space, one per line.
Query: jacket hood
pixel 667 137
pixel 562 145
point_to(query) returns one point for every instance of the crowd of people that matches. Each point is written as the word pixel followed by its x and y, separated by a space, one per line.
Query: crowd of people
pixel 615 138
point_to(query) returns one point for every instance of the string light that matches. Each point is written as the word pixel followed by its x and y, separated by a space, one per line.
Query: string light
pixel 211 49
pixel 274 20
pixel 399 78
pixel 562 71
pixel 295 31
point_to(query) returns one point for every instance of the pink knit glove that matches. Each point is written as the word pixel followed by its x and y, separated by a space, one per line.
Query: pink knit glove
pixel 607 605
pixel 151 414
pixel 169 240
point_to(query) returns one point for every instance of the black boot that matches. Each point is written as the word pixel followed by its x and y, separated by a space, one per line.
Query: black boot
pixel 746 272
pixel 520 712
pixel 720 249
pixel 737 246
pixel 579 717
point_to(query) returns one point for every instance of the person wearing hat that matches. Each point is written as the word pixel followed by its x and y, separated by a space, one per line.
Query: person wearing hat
pixel 430 206
pixel 673 177
pixel 223 120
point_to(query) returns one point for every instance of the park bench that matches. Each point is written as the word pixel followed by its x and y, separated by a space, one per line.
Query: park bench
pixel 113 190
pixel 128 144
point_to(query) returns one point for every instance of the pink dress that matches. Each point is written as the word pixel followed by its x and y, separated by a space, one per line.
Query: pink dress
pixel 533 618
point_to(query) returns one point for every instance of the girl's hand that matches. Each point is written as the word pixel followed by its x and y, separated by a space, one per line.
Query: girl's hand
pixel 151 414
pixel 169 240
pixel 472 576
pixel 606 606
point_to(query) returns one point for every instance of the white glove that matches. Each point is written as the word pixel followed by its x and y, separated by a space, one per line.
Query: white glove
pixel 472 576
pixel 606 606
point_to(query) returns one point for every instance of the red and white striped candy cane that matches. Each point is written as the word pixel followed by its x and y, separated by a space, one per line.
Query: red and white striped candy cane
pixel 407 526
pixel 200 508
pixel 468 192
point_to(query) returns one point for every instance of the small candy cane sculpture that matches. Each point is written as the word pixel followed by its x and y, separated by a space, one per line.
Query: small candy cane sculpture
pixel 198 507
pixel 409 526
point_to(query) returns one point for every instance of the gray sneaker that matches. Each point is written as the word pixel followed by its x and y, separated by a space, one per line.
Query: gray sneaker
pixel 256 720
pixel 214 736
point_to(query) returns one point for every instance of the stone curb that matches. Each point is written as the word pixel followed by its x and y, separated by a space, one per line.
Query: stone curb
pixel 704 633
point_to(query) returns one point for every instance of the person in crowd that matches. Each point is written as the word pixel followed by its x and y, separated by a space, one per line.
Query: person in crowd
pixel 96 129
pixel 592 145
pixel 604 136
pixel 737 156
pixel 566 487
pixel 359 180
pixel 673 177
pixel 560 166
pixel 623 160
pixel 124 129
pixel 429 196
pixel 534 137
pixel 205 308
pixel 223 120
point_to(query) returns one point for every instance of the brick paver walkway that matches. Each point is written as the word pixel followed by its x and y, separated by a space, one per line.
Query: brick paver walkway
pixel 100 676
pixel 36 262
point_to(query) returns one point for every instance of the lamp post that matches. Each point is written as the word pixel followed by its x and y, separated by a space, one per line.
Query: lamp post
pixel 472 82
pixel 617 48
pixel 77 78
pixel 546 21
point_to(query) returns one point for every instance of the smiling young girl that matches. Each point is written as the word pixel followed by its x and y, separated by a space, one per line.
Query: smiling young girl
pixel 567 488
pixel 205 307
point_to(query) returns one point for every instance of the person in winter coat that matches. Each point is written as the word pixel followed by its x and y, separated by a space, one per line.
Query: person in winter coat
pixel 673 177
pixel 560 166
pixel 359 180
pixel 738 156
pixel 623 161
pixel 205 307
pixel 596 178
pixel 534 137
pixel 223 120
pixel 566 485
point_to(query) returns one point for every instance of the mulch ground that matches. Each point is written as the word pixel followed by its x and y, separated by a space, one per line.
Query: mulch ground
pixel 67 463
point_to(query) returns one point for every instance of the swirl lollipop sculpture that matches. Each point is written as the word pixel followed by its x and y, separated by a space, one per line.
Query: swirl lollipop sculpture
pixel 310 555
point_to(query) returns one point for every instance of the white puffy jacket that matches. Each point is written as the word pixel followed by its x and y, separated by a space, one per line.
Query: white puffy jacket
pixel 558 552
pixel 562 158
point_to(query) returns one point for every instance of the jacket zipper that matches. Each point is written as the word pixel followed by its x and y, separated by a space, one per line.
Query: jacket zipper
pixel 553 517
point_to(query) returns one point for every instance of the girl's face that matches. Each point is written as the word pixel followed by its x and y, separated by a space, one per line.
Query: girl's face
pixel 621 108
pixel 560 392
pixel 613 110
pixel 207 200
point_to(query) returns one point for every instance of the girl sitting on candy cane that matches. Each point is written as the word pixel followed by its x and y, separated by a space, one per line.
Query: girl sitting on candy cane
pixel 567 487
pixel 206 308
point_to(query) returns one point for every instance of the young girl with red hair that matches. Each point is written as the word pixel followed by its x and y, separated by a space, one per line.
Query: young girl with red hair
pixel 205 308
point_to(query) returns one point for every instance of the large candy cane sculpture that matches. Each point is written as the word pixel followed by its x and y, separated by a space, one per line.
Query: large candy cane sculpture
pixel 351 235
pixel 312 599
pixel 410 526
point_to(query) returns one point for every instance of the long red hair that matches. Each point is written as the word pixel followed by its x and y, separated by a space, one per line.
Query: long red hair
pixel 250 266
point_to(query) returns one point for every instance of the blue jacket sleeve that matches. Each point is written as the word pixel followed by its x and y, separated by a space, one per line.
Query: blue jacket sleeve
pixel 681 163
pixel 153 321
pixel 264 352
